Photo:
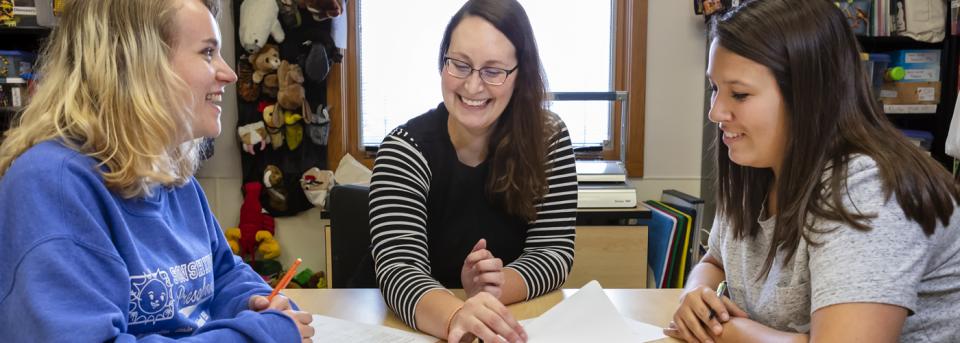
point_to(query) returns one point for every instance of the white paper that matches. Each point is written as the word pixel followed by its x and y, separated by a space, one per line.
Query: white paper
pixel 329 329
pixel 588 316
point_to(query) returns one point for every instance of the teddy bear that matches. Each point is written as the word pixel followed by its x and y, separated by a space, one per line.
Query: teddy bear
pixel 322 10
pixel 258 19
pixel 265 61
pixel 316 185
pixel 291 94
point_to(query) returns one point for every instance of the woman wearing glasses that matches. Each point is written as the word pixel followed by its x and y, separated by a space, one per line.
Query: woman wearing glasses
pixel 479 193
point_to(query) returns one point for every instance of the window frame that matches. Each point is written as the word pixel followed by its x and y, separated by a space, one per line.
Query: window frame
pixel 629 74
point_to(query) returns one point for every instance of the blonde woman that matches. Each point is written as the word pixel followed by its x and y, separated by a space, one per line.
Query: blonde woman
pixel 104 233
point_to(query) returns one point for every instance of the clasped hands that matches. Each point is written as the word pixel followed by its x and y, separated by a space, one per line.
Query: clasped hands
pixel 701 314
pixel 483 315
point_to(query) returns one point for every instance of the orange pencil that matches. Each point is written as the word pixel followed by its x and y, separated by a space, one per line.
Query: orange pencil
pixel 286 279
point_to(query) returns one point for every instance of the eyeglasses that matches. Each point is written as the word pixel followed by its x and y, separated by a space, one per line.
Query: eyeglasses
pixel 491 75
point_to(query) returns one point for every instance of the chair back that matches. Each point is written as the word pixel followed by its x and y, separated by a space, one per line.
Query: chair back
pixel 352 264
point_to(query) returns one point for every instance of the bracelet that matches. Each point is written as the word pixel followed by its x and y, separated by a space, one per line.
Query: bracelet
pixel 450 320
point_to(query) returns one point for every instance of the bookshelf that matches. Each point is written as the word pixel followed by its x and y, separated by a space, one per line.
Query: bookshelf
pixel 936 122
pixel 20 38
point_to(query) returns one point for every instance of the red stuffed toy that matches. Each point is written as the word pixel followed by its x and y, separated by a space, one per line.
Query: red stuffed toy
pixel 252 220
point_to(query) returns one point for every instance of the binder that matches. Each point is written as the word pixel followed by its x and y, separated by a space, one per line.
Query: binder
pixel 661 229
pixel 692 206
pixel 678 263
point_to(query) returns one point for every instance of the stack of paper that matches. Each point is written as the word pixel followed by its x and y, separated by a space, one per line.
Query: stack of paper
pixel 329 329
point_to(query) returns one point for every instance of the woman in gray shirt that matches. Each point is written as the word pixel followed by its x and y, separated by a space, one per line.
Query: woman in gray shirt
pixel 831 225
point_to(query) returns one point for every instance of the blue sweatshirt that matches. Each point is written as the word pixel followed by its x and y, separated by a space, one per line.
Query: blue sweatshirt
pixel 80 263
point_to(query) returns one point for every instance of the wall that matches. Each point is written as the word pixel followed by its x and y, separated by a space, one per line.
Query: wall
pixel 674 99
pixel 672 146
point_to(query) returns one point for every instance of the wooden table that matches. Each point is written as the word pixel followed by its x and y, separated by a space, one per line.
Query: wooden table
pixel 366 305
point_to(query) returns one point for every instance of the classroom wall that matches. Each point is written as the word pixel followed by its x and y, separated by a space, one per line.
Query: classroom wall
pixel 672 142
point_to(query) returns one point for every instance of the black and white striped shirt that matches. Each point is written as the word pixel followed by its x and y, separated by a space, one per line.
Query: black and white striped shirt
pixel 427 210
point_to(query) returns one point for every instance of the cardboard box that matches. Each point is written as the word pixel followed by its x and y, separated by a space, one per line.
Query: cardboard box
pixel 909 93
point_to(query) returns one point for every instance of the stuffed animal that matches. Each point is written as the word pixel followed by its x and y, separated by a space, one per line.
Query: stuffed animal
pixel 267 246
pixel 253 220
pixel 322 10
pixel 318 124
pixel 316 184
pixel 276 194
pixel 246 88
pixel 233 238
pixel 274 121
pixel 318 280
pixel 265 61
pixel 270 85
pixel 289 13
pixel 294 130
pixel 251 135
pixel 258 19
pixel 291 94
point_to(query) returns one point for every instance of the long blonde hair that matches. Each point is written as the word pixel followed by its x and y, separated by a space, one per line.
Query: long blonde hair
pixel 108 90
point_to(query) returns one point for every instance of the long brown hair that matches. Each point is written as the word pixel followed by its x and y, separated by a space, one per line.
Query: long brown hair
pixel 518 143
pixel 831 114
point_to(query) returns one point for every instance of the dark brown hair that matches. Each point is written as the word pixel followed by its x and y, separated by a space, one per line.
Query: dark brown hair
pixel 831 114
pixel 518 144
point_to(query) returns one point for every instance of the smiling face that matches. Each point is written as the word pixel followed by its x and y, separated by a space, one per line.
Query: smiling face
pixel 196 60
pixel 474 105
pixel 749 108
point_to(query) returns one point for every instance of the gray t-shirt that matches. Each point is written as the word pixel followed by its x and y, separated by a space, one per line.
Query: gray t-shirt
pixel 894 263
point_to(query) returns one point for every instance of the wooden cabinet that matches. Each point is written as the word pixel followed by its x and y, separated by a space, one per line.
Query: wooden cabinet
pixel 616 256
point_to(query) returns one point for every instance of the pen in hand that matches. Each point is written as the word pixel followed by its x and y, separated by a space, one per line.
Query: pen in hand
pixel 286 279
pixel 721 289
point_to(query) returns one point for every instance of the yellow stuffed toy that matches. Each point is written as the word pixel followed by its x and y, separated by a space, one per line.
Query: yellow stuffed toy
pixel 268 247
pixel 233 238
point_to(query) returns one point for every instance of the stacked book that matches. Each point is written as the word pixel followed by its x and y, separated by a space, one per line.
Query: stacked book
pixel 604 184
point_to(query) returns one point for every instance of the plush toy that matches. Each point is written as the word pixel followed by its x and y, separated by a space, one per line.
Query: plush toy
pixel 267 246
pixel 233 238
pixel 246 88
pixel 289 13
pixel 258 19
pixel 265 61
pixel 276 194
pixel 303 278
pixel 253 220
pixel 316 63
pixel 318 280
pixel 291 94
pixel 316 184
pixel 294 130
pixel 274 121
pixel 322 10
pixel 318 124
pixel 251 135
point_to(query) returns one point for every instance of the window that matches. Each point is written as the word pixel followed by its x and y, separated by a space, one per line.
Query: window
pixel 394 75
pixel 399 78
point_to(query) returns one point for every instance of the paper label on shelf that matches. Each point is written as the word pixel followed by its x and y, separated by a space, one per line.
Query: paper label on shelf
pixel 922 74
pixel 15 95
pixel 926 94
pixel 888 93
